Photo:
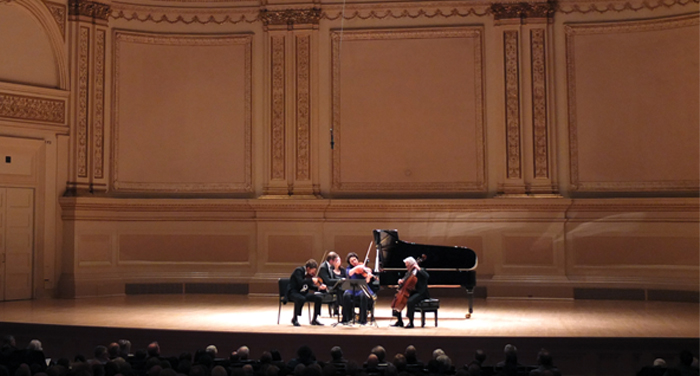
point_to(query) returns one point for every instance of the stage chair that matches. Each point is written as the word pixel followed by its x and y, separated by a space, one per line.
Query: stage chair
pixel 428 305
pixel 283 285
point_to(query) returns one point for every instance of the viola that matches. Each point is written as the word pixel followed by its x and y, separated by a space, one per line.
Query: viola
pixel 404 292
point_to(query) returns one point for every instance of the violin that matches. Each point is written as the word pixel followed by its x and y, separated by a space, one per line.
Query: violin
pixel 317 281
pixel 407 287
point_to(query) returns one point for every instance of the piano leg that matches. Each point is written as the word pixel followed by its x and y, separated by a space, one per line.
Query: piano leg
pixel 470 293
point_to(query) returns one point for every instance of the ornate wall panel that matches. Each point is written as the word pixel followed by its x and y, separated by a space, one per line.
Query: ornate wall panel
pixel 177 128
pixel 32 108
pixel 278 149
pixel 407 109
pixel 512 89
pixel 539 104
pixel 633 116
pixel 303 105
pixel 183 248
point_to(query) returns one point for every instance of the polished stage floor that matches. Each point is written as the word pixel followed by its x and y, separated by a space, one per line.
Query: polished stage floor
pixel 589 335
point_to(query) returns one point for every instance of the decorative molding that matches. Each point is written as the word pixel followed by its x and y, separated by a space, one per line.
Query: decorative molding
pixel 412 10
pixel 512 91
pixel 303 104
pixel 120 37
pixel 87 8
pixel 188 16
pixel 30 108
pixel 58 11
pixel 82 121
pixel 571 30
pixel 426 187
pixel 366 11
pixel 600 7
pixel 99 104
pixel 522 10
pixel 290 17
pixel 278 150
pixel 539 103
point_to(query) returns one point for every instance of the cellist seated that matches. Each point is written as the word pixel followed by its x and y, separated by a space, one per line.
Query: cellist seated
pixel 413 288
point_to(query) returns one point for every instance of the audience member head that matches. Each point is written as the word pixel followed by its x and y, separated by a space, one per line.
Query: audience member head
pixel 212 351
pixel 272 371
pixel 305 354
pixel 243 353
pixel 124 348
pixel 444 362
pixel 101 354
pixel 113 350
pixel 8 341
pixel 479 356
pixel 35 345
pixel 266 358
pixel 410 353
pixel 399 362
pixel 438 352
pixel 659 363
pixel 511 354
pixel 380 352
pixel 276 356
pixel 372 361
pixel 153 349
pixel 686 358
pixel 218 371
pixel 336 353
pixel 544 358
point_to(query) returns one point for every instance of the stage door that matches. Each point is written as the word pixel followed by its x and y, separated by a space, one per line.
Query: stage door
pixel 16 243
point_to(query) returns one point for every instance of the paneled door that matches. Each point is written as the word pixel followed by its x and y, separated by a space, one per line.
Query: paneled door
pixel 16 243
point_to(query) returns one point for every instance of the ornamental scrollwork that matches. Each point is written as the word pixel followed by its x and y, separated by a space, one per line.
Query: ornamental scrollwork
pixel 521 10
pixel 90 9
pixel 290 17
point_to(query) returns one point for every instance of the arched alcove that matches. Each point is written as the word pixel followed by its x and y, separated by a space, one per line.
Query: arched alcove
pixel 33 50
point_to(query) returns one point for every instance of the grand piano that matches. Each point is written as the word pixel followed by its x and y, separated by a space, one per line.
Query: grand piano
pixel 447 266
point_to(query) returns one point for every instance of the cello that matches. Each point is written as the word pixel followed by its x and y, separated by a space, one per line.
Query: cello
pixel 405 290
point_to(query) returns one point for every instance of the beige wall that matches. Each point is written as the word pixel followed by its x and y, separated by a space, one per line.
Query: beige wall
pixel 172 142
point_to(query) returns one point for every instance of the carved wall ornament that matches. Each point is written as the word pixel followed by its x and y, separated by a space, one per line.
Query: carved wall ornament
pixel 539 103
pixel 512 81
pixel 278 106
pixel 99 103
pixel 83 64
pixel 522 10
pixel 303 55
pixel 58 11
pixel 91 9
pixel 32 108
pixel 290 17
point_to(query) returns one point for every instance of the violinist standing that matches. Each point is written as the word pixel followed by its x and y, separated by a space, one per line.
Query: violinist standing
pixel 356 270
pixel 419 293
pixel 302 287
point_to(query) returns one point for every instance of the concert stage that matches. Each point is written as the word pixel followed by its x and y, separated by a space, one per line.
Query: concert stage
pixel 585 337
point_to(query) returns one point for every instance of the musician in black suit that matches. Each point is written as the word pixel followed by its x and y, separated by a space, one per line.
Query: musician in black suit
pixel 331 273
pixel 303 284
pixel 419 293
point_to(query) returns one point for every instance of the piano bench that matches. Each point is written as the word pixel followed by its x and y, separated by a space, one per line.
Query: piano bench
pixel 428 305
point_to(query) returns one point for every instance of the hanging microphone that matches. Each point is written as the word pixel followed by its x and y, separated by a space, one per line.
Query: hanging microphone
pixel 332 142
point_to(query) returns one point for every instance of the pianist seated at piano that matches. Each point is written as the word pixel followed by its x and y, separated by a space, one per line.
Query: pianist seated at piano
pixel 416 275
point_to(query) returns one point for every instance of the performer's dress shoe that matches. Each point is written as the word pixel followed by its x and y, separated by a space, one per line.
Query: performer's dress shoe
pixel 398 324
pixel 409 326
pixel 295 322
pixel 315 322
